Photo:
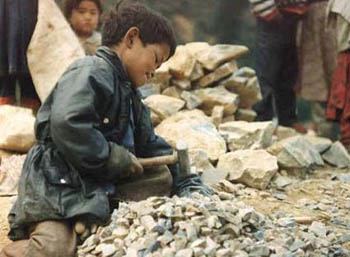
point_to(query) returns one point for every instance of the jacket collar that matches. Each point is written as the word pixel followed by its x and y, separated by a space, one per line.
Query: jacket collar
pixel 113 59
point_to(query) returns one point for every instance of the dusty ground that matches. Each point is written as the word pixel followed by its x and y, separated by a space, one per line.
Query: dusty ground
pixel 5 206
pixel 316 187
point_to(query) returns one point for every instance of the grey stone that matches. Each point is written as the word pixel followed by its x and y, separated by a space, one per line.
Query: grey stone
pixel 337 155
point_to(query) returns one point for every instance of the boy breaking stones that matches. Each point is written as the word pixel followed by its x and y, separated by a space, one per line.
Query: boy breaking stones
pixel 89 132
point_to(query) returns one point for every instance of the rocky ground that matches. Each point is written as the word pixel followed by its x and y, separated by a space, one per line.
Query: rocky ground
pixel 293 217
pixel 308 217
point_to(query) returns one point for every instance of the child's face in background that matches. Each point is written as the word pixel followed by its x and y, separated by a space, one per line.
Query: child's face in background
pixel 143 60
pixel 84 19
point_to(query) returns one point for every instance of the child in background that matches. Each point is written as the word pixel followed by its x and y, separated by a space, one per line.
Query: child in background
pixel 84 17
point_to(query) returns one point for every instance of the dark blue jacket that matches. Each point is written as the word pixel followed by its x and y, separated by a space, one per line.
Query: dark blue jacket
pixel 79 131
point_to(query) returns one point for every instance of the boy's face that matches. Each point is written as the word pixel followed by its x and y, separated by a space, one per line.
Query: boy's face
pixel 142 60
pixel 84 19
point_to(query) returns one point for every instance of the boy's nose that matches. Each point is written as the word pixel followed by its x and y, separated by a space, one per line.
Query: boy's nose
pixel 87 16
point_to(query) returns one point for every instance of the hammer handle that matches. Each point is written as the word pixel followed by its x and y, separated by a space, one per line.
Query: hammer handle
pixel 157 161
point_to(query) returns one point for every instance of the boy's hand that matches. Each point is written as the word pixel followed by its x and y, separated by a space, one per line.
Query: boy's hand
pixel 136 168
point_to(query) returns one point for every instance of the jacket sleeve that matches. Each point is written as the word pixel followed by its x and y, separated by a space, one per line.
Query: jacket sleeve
pixel 264 9
pixel 151 145
pixel 76 114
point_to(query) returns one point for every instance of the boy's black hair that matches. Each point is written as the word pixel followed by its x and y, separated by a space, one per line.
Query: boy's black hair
pixel 69 5
pixel 154 28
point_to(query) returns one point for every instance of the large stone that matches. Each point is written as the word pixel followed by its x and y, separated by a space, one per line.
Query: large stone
pixel 220 73
pixel 296 153
pixel 211 97
pixel 53 47
pixel 217 115
pixel 164 106
pixel 192 101
pixel 17 128
pixel 247 88
pixel 183 84
pixel 247 135
pixel 161 76
pixel 194 47
pixel 155 118
pixel 197 72
pixel 182 63
pixel 149 89
pixel 285 132
pixel 320 143
pixel 245 115
pixel 197 131
pixel 246 72
pixel 218 54
pixel 337 155
pixel 172 91
pixel 254 168
pixel 187 114
pixel 210 175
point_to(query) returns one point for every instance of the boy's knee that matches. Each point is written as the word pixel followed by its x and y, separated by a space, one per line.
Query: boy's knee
pixel 52 238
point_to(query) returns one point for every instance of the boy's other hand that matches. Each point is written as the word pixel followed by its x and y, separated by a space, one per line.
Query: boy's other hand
pixel 136 168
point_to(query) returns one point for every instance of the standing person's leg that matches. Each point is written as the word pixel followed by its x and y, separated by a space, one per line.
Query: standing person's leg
pixel 284 91
pixel 48 238
pixel 268 63
pixel 29 97
pixel 7 90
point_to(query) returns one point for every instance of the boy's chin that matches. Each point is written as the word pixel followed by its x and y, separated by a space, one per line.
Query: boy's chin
pixel 140 83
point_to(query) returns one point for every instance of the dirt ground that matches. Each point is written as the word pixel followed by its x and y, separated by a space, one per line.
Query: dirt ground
pixel 5 205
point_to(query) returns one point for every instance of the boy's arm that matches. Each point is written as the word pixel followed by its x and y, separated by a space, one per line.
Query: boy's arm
pixel 75 119
pixel 154 145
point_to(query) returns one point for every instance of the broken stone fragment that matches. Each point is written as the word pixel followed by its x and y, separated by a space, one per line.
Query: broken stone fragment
pixel 247 135
pixel 164 106
pixel 172 92
pixel 182 84
pixel 217 115
pixel 182 63
pixel 220 73
pixel 17 128
pixel 245 115
pixel 242 167
pixel 337 155
pixel 212 97
pixel 199 133
pixel 192 100
pixel 218 54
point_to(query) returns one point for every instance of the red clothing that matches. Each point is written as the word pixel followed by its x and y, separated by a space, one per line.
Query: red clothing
pixel 339 99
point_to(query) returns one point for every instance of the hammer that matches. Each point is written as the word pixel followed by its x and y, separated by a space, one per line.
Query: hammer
pixel 180 156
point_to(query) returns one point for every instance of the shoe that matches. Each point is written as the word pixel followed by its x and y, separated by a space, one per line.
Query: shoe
pixel 31 103
pixel 299 128
pixel 10 100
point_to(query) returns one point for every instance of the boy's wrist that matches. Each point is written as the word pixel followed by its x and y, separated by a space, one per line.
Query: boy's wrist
pixel 119 162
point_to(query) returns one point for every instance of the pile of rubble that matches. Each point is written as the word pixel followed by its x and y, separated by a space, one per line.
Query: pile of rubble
pixel 201 96
pixel 219 225
pixel 204 77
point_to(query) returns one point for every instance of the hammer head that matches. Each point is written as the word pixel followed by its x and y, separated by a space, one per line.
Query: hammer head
pixel 183 158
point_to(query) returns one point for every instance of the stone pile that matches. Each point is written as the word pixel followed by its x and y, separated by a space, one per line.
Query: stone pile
pixel 201 96
pixel 220 225
pixel 201 76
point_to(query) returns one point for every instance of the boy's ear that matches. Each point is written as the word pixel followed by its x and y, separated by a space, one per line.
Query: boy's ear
pixel 130 36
